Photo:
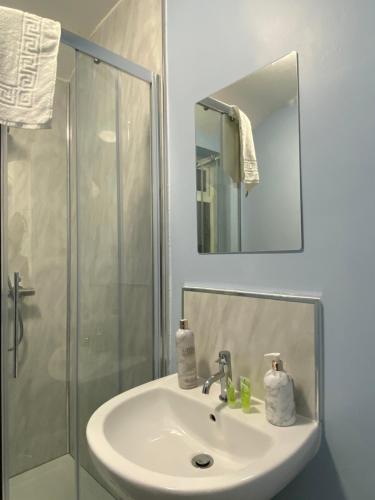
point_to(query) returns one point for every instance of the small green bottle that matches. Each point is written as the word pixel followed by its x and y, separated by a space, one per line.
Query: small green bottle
pixel 245 389
pixel 231 394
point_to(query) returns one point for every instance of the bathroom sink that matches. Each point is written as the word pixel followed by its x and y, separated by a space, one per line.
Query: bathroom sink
pixel 148 442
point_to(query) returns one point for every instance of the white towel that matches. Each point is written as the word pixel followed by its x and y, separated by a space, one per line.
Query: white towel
pixel 248 159
pixel 28 60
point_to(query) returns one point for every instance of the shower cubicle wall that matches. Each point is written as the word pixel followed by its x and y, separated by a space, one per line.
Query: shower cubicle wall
pixel 80 269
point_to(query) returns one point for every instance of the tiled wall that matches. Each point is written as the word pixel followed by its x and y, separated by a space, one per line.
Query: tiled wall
pixel 250 326
pixel 134 31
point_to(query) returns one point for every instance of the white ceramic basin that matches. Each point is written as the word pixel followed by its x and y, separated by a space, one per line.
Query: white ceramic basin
pixel 143 441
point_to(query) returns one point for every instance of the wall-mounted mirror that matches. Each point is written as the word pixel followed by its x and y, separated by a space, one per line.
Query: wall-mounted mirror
pixel 248 163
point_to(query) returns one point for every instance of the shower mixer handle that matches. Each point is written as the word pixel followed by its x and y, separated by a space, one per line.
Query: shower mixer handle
pixel 16 288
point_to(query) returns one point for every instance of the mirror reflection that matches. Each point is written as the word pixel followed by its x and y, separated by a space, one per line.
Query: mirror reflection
pixel 247 163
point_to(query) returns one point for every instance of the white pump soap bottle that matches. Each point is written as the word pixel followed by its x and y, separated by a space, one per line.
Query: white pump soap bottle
pixel 186 362
pixel 279 400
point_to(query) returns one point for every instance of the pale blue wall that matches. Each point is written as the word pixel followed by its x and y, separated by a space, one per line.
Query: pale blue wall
pixel 210 44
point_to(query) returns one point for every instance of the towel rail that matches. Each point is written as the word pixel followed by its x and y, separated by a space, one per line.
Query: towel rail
pixel 216 105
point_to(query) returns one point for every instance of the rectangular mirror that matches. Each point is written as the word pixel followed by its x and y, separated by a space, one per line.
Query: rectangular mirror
pixel 248 163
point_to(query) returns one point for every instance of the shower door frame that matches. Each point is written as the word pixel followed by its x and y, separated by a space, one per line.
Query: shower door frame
pixel 99 53
pixel 95 51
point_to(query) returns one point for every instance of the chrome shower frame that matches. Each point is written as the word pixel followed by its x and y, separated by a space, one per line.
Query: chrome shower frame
pixel 82 45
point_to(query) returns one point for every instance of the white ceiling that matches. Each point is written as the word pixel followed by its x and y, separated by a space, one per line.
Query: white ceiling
pixel 79 16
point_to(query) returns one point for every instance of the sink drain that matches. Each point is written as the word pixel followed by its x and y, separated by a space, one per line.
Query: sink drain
pixel 202 461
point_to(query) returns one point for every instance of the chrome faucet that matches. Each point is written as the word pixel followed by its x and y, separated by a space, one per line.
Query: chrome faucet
pixel 225 372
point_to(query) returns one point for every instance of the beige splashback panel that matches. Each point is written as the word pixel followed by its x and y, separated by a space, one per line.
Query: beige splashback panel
pixel 250 325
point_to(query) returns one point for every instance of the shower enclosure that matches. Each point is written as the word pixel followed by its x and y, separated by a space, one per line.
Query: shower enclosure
pixel 80 273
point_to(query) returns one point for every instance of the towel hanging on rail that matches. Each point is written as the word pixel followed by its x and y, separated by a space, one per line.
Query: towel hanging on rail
pixel 29 46
pixel 248 159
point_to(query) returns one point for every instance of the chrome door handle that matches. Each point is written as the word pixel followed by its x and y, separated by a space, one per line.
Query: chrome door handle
pixel 17 280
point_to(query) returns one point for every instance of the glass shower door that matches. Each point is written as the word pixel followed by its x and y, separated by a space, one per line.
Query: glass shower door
pixel 35 303
pixel 79 267
pixel 113 242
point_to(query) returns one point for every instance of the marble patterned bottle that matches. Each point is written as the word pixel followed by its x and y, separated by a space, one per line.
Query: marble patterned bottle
pixel 186 362
pixel 279 399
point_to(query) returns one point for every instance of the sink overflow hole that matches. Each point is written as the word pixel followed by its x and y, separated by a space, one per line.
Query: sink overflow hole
pixel 212 417
pixel 202 461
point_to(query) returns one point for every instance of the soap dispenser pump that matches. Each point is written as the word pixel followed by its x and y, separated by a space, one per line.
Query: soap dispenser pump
pixel 279 400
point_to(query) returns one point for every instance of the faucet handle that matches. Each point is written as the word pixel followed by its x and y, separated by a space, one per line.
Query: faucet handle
pixel 224 357
pixel 225 363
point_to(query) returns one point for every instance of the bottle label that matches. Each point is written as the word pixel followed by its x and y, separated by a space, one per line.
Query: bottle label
pixel 188 351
